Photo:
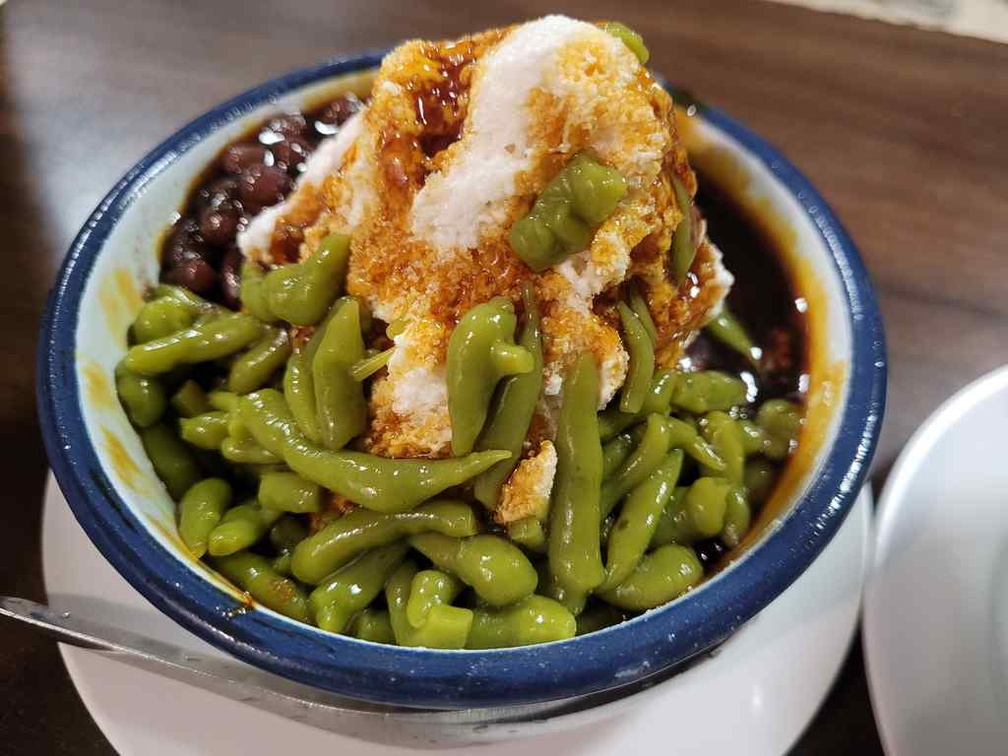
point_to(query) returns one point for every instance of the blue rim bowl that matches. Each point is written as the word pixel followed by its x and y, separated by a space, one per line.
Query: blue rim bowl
pixel 452 679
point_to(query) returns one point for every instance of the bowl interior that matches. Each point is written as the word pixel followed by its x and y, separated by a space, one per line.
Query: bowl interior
pixel 112 487
pixel 113 294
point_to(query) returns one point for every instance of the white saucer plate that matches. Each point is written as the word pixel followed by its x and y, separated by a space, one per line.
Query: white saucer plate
pixel 936 602
pixel 754 696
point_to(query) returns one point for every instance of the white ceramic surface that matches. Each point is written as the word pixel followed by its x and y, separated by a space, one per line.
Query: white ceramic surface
pixel 770 677
pixel 936 603
pixel 128 264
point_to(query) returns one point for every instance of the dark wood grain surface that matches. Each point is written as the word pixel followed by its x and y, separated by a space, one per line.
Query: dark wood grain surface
pixel 903 131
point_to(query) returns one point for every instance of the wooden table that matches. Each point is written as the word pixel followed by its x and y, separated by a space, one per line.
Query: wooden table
pixel 903 131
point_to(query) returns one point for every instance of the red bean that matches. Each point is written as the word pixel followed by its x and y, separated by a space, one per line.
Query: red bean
pixel 230 277
pixel 184 243
pixel 709 552
pixel 291 152
pixel 219 225
pixel 263 185
pixel 335 114
pixel 215 192
pixel 249 211
pixel 238 157
pixel 290 124
pixel 196 274
pixel 701 353
pixel 200 252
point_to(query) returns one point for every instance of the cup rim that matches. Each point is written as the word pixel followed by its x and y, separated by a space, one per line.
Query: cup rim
pixel 413 677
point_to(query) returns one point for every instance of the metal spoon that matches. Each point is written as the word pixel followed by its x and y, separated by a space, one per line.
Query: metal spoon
pixel 423 728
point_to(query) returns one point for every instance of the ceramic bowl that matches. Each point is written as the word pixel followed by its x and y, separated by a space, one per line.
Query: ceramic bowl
pixel 112 489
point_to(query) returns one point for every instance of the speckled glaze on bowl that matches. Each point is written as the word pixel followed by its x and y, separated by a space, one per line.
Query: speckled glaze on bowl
pixel 111 487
